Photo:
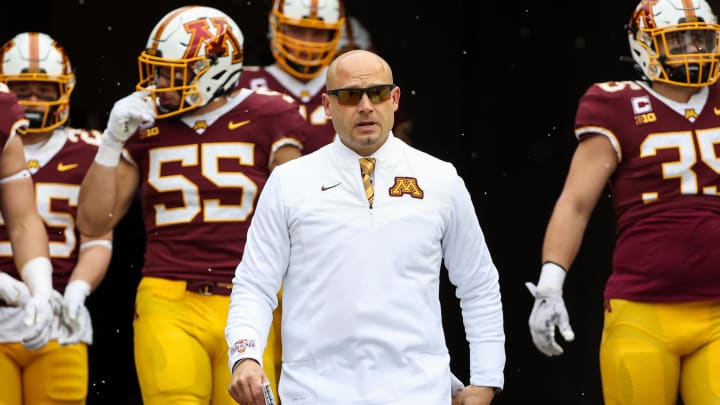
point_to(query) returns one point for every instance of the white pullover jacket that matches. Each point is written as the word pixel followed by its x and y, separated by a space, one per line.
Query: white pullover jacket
pixel 361 314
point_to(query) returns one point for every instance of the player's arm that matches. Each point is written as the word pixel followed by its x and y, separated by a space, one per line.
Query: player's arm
pixel 93 261
pixel 290 128
pixel 284 154
pixel 29 242
pixel 109 185
pixel 593 163
pixel 17 202
pixel 106 194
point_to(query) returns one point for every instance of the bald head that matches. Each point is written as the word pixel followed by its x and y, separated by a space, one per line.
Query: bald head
pixel 363 124
pixel 359 64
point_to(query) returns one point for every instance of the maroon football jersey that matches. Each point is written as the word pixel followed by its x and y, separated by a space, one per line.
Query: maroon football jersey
pixel 319 130
pixel 200 183
pixel 57 169
pixel 664 191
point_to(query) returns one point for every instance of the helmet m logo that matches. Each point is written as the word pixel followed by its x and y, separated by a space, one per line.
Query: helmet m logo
pixel 406 185
pixel 216 45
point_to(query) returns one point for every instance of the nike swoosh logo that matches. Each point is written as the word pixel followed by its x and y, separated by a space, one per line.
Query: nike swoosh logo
pixel 62 167
pixel 323 188
pixel 236 125
pixel 716 110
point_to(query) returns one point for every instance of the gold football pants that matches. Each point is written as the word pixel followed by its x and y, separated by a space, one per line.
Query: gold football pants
pixel 53 375
pixel 180 349
pixel 649 351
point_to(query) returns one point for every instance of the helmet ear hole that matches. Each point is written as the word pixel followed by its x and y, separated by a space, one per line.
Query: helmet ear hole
pixel 201 65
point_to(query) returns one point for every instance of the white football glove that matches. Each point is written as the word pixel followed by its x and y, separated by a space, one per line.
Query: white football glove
pixel 74 312
pixel 40 312
pixel 127 115
pixel 13 291
pixel 549 310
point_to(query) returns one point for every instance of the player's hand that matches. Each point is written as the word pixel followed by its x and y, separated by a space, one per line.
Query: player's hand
pixel 246 383
pixel 128 114
pixel 13 291
pixel 474 395
pixel 40 311
pixel 548 312
pixel 74 314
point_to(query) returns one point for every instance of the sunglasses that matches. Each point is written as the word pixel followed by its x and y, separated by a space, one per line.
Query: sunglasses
pixel 352 96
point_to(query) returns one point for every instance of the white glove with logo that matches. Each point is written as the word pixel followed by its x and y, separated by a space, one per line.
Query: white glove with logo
pixel 126 116
pixel 74 313
pixel 13 291
pixel 549 310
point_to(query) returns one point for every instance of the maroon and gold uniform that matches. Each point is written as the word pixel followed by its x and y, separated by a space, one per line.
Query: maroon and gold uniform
pixel 200 178
pixel 662 321
pixel 57 167
pixel 308 95
pixel 665 190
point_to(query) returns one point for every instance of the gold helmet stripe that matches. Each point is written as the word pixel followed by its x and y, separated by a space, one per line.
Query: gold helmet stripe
pixel 34 43
pixel 313 9
pixel 689 9
pixel 164 24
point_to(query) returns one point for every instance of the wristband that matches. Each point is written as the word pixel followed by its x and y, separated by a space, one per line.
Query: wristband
pixel 109 151
pixel 237 363
pixel 97 242
pixel 552 278
pixel 17 176
pixel 37 275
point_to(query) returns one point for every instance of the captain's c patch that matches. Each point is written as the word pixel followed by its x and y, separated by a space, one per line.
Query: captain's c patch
pixel 406 185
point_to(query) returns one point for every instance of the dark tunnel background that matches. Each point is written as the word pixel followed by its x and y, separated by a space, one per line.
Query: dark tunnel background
pixel 492 87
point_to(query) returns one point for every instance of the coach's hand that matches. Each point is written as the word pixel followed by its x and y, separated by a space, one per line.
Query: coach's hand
pixel 246 383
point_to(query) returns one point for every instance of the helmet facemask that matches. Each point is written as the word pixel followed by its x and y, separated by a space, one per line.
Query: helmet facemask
pixel 30 61
pixel 684 53
pixel 179 77
pixel 196 54
pixel 303 58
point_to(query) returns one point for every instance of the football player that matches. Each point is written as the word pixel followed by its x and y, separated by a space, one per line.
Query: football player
pixel 304 38
pixel 52 366
pixel 200 149
pixel 655 141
